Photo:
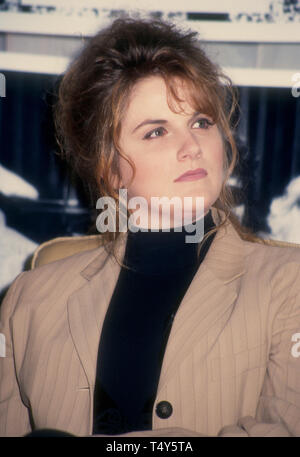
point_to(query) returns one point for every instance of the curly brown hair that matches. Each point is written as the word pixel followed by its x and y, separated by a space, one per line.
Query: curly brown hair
pixel 94 93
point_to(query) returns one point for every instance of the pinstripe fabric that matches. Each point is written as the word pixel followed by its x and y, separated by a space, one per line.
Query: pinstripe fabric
pixel 227 370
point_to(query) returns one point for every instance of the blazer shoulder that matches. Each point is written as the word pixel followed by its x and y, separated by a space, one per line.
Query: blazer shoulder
pixel 279 251
pixel 61 273
pixel 277 265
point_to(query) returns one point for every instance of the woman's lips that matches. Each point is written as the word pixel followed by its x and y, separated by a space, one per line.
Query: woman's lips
pixel 192 175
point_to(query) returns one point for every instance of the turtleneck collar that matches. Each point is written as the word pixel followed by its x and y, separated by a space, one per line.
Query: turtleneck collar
pixel 160 252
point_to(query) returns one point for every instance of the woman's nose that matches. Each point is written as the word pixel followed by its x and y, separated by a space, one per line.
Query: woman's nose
pixel 189 148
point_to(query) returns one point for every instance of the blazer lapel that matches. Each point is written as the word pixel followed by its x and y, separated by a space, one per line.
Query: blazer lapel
pixel 87 307
pixel 208 302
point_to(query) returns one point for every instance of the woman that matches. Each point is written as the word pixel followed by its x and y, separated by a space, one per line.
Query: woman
pixel 150 335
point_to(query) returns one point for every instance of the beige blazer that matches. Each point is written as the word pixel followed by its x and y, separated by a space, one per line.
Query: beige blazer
pixel 231 367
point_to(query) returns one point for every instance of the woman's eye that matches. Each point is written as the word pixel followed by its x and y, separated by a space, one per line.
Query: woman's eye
pixel 159 131
pixel 203 123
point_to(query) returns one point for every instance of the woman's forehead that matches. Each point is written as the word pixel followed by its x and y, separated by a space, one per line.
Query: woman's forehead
pixel 152 93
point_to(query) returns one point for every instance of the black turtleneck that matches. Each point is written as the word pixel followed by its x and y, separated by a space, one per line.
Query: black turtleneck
pixel 137 325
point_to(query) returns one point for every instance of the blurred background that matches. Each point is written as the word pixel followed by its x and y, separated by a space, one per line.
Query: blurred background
pixel 256 42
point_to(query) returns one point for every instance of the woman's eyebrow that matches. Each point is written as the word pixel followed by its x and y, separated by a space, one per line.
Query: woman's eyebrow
pixel 161 121
pixel 150 121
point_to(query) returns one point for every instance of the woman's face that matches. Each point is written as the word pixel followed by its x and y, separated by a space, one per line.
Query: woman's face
pixel 164 145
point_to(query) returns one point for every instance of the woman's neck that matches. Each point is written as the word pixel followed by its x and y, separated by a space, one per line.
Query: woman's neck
pixel 155 252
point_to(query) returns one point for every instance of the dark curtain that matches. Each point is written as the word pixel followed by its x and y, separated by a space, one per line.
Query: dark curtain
pixel 28 148
pixel 270 148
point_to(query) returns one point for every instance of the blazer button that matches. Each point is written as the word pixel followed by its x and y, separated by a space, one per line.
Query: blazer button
pixel 164 409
